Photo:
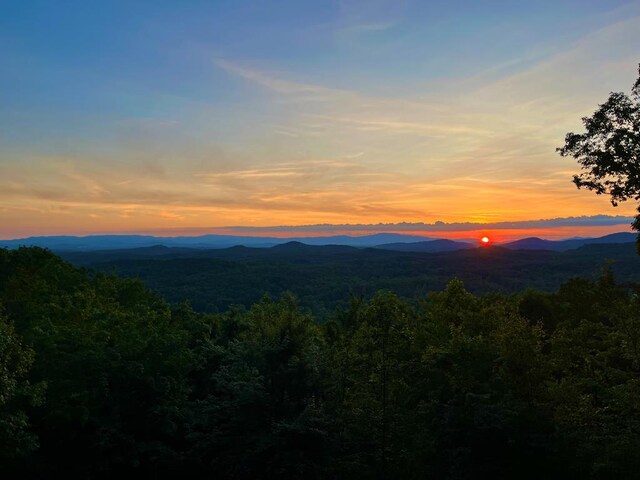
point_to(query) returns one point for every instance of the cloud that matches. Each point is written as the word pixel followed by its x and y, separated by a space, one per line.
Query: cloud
pixel 277 84
pixel 584 221
pixel 355 18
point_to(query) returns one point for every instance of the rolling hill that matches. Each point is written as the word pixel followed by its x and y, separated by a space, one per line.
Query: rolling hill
pixel 324 276
pixel 534 243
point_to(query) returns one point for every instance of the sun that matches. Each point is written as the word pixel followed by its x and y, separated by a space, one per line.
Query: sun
pixel 485 240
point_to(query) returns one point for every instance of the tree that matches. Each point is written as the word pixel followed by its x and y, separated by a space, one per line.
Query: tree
pixel 609 151
pixel 257 409
pixel 115 365
pixel 16 394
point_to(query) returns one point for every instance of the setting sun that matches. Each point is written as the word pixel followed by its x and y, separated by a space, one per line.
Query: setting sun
pixel 485 240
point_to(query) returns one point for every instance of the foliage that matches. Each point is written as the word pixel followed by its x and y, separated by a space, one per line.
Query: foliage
pixel 16 439
pixel 459 386
pixel 113 360
pixel 609 150
pixel 257 411
pixel 215 279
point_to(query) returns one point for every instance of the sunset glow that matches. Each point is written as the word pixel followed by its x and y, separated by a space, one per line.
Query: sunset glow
pixel 178 120
pixel 485 240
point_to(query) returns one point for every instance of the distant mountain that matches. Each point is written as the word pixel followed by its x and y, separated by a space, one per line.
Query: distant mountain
pixel 321 276
pixel 289 251
pixel 360 241
pixel 94 242
pixel 385 241
pixel 295 247
pixel 535 243
pixel 439 245
pixel 117 242
pixel 621 237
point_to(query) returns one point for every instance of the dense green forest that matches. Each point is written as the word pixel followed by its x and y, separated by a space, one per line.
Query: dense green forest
pixel 99 377
pixel 324 277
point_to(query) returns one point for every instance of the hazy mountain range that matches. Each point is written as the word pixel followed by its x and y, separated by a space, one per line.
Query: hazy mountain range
pixel 534 243
pixel 385 241
pixel 113 242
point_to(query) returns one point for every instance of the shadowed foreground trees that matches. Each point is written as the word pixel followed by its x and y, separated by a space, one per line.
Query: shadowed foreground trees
pixel 100 377
pixel 16 438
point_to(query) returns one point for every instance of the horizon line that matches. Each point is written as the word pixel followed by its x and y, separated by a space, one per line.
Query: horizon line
pixel 548 225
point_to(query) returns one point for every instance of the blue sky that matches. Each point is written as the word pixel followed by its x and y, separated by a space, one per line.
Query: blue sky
pixel 126 116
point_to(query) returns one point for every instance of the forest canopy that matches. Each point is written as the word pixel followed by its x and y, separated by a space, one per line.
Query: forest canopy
pixel 101 377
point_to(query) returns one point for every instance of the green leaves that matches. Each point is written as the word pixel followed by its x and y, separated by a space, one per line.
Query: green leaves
pixel 609 151
pixel 16 392
pixel 537 385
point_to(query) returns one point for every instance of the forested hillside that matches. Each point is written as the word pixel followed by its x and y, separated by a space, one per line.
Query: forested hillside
pixel 101 377
pixel 323 277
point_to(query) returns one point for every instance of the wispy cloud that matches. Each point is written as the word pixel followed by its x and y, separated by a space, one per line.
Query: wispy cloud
pixel 356 17
pixel 278 84
pixel 438 226
pixel 250 174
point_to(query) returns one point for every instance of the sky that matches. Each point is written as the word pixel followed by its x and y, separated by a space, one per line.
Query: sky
pixel 190 117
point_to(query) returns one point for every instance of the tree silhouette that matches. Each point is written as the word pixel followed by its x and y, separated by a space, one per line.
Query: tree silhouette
pixel 609 150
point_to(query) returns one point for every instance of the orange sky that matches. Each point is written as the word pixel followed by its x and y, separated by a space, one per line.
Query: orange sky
pixel 197 134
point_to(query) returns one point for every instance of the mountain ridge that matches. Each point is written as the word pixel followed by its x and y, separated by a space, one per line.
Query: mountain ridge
pixel 115 242
pixel 382 241
pixel 536 243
